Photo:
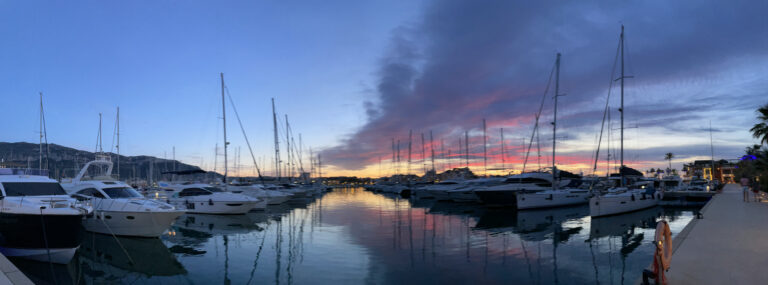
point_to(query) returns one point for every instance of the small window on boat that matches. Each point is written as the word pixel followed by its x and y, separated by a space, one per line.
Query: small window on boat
pixel 33 189
pixel 193 192
pixel 130 217
pixel 91 192
pixel 122 192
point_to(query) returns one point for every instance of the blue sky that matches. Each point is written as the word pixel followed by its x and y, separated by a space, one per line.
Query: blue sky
pixel 353 75
pixel 160 62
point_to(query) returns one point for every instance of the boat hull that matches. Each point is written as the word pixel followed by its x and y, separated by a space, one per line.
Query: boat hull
pixel 135 224
pixel 22 235
pixel 550 200
pixel 600 206
pixel 498 198
pixel 464 196
pixel 216 207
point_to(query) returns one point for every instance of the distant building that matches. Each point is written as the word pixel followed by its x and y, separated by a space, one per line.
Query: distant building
pixel 723 170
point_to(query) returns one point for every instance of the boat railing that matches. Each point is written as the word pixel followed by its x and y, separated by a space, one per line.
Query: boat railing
pixel 24 171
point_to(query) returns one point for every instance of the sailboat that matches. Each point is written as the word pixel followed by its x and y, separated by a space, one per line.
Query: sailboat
pixel 206 199
pixel 554 197
pixel 623 199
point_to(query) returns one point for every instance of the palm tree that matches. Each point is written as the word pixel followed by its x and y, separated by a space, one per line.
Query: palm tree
pixel 760 130
pixel 669 156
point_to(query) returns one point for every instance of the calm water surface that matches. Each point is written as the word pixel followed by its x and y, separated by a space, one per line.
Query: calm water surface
pixel 352 236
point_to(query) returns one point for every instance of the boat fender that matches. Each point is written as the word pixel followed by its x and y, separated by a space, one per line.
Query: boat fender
pixel 633 197
pixel 210 202
pixel 663 254
pixel 550 197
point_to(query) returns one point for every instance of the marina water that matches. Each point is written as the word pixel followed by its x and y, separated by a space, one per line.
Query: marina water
pixel 352 236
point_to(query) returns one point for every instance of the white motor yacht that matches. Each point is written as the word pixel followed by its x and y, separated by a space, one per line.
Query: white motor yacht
pixel 466 193
pixel 505 194
pixel 38 221
pixel 118 208
pixel 552 198
pixel 271 197
pixel 206 199
pixel 672 183
pixel 622 200
pixel 439 190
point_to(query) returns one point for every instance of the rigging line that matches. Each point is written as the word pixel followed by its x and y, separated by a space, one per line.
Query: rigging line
pixel 114 134
pixel 605 112
pixel 232 102
pixel 536 126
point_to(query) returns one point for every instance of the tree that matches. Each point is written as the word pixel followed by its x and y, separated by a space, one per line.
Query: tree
pixel 760 130
pixel 669 156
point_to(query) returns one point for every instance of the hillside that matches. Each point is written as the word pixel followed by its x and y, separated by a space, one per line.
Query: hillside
pixel 65 162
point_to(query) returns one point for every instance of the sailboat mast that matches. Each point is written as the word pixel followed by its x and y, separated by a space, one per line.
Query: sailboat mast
pixel 712 149
pixel 101 150
pixel 224 121
pixel 423 155
pixel 621 110
pixel 277 141
pixel 466 147
pixel 394 162
pixel 554 123
pixel 503 161
pixel 485 149
pixel 410 144
pixel 40 143
pixel 288 155
pixel 432 149
pixel 118 142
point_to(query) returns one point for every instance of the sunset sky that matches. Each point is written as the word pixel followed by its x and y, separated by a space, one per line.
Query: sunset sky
pixel 352 76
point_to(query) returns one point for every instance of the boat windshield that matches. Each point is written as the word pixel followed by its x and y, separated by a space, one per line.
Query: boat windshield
pixel 33 189
pixel 121 192
pixel 213 189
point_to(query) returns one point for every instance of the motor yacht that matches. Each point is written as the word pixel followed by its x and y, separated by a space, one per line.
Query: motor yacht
pixel 505 194
pixel 38 221
pixel 118 208
pixel 206 199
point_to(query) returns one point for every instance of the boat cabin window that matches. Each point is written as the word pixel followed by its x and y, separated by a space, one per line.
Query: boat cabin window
pixel 90 192
pixel 32 189
pixel 214 189
pixel 193 192
pixel 121 192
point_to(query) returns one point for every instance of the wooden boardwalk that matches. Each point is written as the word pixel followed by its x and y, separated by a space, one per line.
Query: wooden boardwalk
pixel 728 246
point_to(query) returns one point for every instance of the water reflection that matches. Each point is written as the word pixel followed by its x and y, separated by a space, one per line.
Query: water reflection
pixel 354 236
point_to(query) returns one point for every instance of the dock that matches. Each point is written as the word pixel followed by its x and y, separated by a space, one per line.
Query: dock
pixel 726 246
pixel 9 274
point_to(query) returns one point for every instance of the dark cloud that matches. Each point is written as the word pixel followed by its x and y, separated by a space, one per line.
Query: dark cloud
pixel 468 60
